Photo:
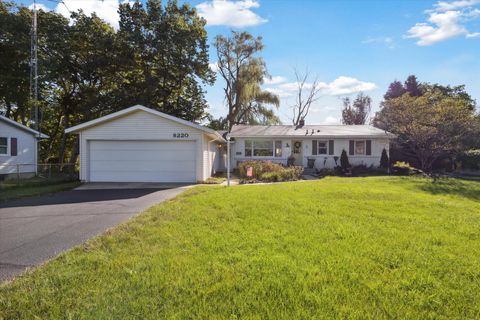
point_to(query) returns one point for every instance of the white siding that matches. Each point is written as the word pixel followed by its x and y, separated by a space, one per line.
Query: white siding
pixel 238 149
pixel 26 150
pixel 141 125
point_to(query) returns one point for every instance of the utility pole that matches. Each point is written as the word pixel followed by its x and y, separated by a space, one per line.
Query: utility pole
pixel 34 77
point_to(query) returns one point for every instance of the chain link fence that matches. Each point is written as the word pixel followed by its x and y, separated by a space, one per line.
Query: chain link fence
pixel 28 173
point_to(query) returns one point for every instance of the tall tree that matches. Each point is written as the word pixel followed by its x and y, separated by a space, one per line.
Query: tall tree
pixel 358 111
pixel 395 90
pixel 307 94
pixel 412 86
pixel 243 72
pixel 429 127
pixel 163 61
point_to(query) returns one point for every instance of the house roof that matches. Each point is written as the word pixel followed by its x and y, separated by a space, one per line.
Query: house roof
pixel 126 111
pixel 36 133
pixel 347 131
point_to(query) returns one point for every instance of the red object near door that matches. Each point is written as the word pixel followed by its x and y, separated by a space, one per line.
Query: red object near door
pixel 249 171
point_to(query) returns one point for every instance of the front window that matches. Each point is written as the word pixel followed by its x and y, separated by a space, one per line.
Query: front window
pixel 278 148
pixel 359 147
pixel 263 148
pixel 3 145
pixel 322 147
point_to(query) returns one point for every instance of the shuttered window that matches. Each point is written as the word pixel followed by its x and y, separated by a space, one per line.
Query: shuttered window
pixel 322 147
pixel 278 148
pixel 13 147
pixel 3 145
pixel 259 148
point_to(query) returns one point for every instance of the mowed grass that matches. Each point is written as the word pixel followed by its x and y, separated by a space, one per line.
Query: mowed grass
pixel 377 247
pixel 10 190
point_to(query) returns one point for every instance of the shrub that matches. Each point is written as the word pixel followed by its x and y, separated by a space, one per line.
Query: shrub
pixel 404 169
pixel 326 172
pixel 344 163
pixel 259 167
pixel 469 159
pixel 286 174
pixel 384 161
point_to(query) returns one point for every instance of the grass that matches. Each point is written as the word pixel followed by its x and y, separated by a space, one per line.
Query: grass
pixel 378 247
pixel 13 189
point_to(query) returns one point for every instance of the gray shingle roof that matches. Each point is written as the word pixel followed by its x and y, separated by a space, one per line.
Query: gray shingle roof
pixel 309 131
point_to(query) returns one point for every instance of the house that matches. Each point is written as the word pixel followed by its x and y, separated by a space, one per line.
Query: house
pixel 321 144
pixel 139 144
pixel 18 149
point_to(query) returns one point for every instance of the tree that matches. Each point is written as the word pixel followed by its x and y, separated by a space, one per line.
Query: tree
pixel 384 161
pixel 429 127
pixel 358 111
pixel 412 86
pixel 344 163
pixel 163 58
pixel 243 72
pixel 307 93
pixel 395 90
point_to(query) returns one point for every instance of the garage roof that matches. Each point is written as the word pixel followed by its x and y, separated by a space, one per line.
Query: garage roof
pixel 309 131
pixel 124 112
pixel 22 127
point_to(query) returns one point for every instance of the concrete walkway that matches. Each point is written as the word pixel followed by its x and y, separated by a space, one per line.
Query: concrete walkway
pixel 33 230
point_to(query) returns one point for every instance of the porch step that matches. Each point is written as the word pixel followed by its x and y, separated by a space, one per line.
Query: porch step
pixel 309 171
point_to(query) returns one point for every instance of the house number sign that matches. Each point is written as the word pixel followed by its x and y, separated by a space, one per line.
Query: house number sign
pixel 180 135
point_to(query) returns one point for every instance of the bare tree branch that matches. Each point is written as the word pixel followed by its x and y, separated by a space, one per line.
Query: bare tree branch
pixel 307 94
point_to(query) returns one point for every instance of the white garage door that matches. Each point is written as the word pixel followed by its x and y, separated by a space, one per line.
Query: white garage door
pixel 142 161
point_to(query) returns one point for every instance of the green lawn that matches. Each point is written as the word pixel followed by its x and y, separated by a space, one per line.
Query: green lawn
pixel 32 187
pixel 378 247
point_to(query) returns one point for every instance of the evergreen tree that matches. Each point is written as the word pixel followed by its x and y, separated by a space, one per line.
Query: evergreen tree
pixel 412 86
pixel 344 163
pixel 384 161
pixel 395 90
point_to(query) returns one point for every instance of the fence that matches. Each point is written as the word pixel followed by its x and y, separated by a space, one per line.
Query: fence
pixel 44 172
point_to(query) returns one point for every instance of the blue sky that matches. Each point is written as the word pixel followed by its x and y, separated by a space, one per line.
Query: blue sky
pixel 350 46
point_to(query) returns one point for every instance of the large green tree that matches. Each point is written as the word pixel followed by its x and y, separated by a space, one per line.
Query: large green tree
pixel 430 127
pixel 356 112
pixel 243 71
pixel 163 58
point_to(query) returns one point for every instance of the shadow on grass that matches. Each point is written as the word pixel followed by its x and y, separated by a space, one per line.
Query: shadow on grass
pixel 449 186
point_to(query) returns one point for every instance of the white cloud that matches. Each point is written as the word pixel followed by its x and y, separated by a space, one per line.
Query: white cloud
pixel 387 41
pixel 279 92
pixel 473 35
pixel 106 9
pixel 447 20
pixel 345 85
pixel 213 66
pixel 274 80
pixel 341 86
pixel 39 6
pixel 331 120
pixel 454 5
pixel 230 13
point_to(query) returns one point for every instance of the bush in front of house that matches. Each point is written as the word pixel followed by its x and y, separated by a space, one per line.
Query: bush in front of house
pixel 469 160
pixel 405 169
pixel 268 171
pixel 384 161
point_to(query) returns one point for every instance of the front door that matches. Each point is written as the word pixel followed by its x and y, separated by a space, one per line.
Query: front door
pixel 298 153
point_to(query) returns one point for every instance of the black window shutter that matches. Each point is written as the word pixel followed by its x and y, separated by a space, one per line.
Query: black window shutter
pixel 351 149
pixel 314 147
pixel 330 147
pixel 369 147
pixel 13 146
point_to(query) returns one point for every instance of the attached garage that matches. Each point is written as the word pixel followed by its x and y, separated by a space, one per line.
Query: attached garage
pixel 142 161
pixel 139 144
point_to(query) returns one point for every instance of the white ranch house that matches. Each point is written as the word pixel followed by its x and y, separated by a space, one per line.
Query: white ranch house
pixel 139 144
pixel 320 143
pixel 18 149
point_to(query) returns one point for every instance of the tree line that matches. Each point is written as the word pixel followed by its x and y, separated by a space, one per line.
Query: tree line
pixel 157 57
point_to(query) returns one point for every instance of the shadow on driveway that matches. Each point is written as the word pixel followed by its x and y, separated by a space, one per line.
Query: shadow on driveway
pixel 79 196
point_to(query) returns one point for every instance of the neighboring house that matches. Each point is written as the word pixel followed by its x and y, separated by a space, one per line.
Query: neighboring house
pixel 321 143
pixel 18 149
pixel 139 144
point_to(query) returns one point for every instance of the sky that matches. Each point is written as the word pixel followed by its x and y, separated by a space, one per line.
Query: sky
pixel 349 46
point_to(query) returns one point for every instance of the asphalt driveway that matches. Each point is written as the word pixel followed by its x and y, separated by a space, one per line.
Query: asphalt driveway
pixel 33 230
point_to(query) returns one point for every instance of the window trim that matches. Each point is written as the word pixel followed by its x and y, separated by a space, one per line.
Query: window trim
pixel 8 147
pixel 326 147
pixel 252 148
pixel 364 148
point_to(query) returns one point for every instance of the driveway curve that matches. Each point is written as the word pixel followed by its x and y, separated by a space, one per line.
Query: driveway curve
pixel 33 230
